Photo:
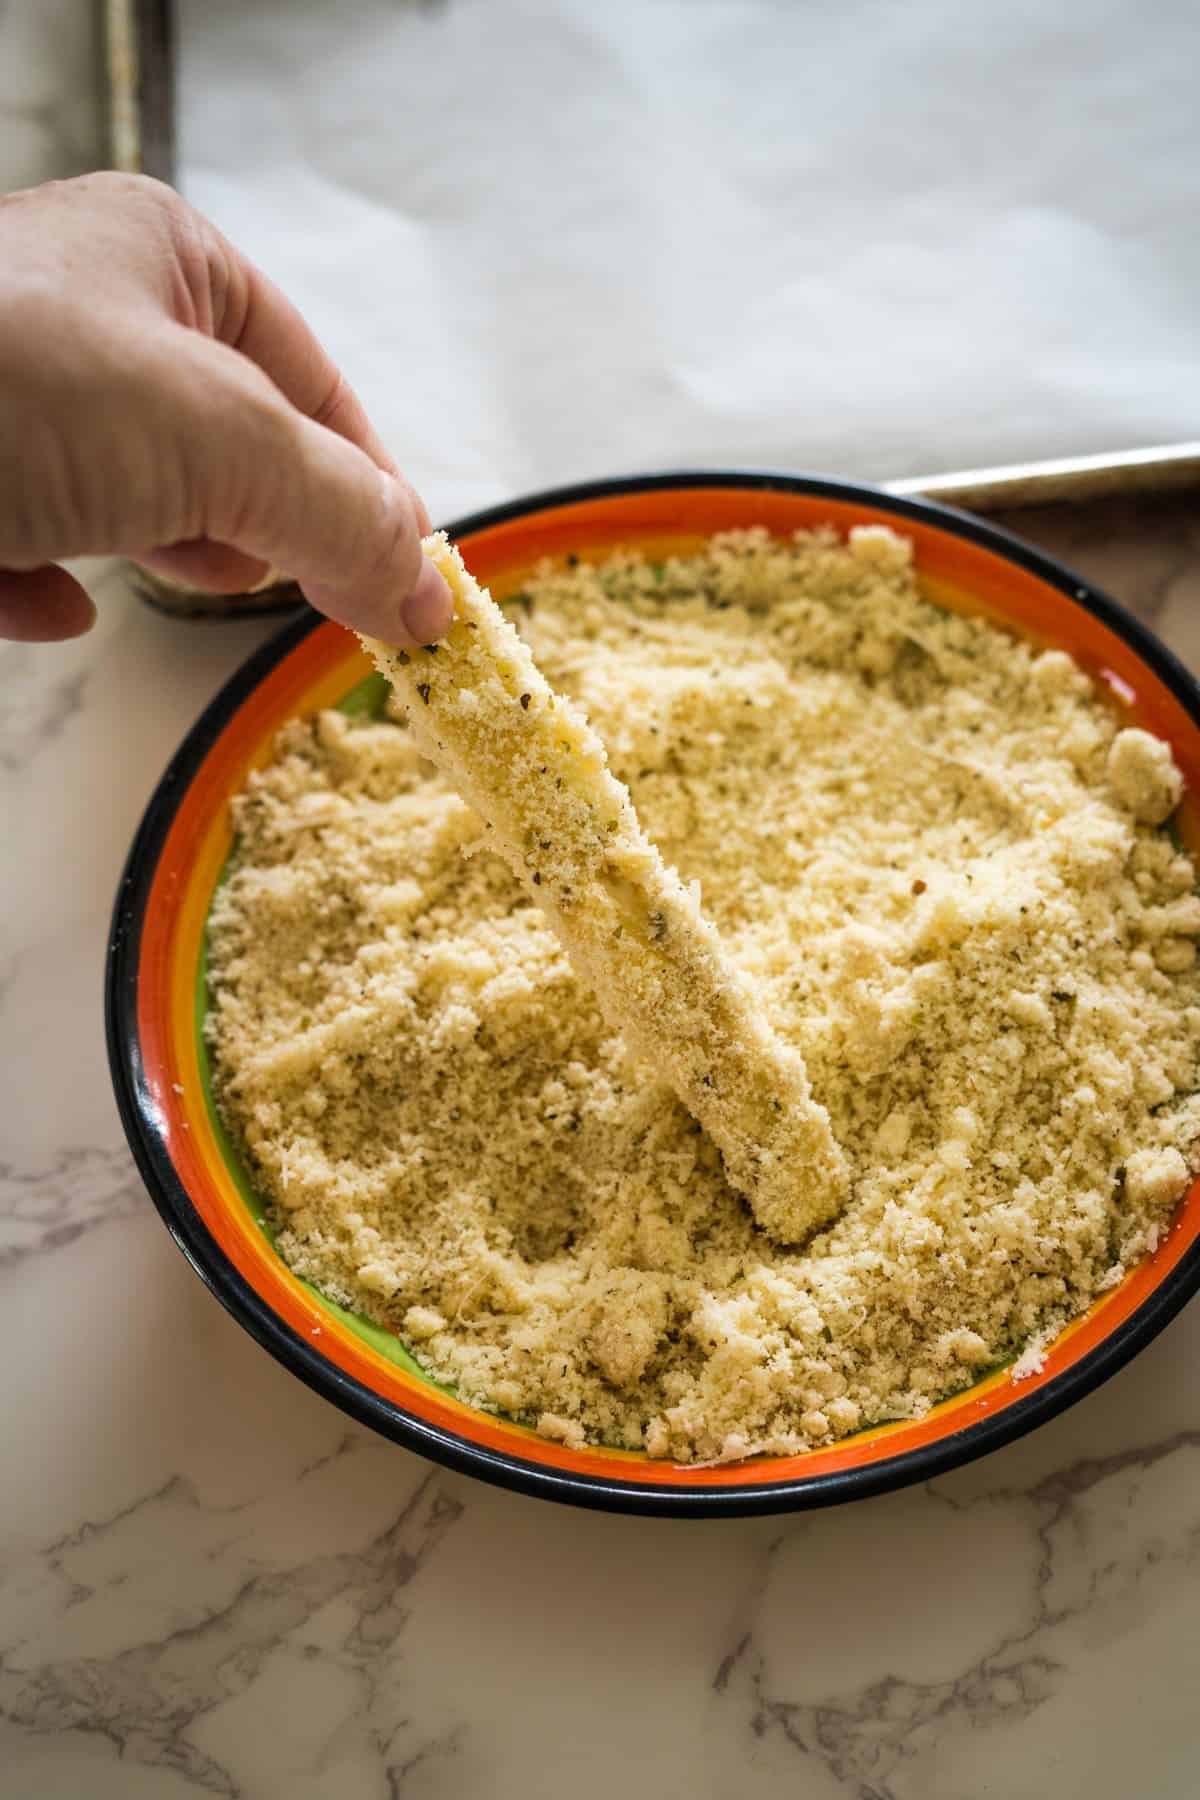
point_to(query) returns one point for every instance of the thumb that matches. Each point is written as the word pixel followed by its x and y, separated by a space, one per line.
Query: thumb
pixel 275 485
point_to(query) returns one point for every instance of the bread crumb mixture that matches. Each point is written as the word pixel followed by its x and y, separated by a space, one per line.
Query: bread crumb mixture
pixel 533 768
pixel 938 858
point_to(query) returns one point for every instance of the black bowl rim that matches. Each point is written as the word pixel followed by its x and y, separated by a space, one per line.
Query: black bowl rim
pixel 461 1453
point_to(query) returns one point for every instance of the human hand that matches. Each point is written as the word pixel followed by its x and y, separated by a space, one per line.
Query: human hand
pixel 163 401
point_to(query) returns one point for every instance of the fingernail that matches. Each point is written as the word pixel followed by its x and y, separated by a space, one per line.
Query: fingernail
pixel 429 608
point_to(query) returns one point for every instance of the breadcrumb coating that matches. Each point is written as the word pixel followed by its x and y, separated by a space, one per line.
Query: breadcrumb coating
pixel 537 774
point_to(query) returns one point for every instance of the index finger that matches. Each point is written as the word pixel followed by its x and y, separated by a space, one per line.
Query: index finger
pixel 259 320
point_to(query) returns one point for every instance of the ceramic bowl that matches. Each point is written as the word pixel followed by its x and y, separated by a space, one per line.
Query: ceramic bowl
pixel 157 996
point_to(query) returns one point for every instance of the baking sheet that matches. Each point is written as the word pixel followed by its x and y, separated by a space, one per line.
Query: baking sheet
pixel 549 239
pixel 139 58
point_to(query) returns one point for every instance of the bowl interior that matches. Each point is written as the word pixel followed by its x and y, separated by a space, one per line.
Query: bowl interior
pixel 158 1000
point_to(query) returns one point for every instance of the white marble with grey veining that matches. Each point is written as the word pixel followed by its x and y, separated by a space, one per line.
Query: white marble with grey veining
pixel 211 1584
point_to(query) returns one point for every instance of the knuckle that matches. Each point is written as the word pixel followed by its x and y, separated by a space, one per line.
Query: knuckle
pixel 395 546
pixel 152 202
pixel 334 402
pixel 206 296
pixel 250 486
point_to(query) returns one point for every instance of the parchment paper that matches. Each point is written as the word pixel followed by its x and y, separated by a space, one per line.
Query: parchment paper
pixel 549 239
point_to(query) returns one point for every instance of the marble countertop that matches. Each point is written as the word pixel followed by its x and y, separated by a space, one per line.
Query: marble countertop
pixel 210 1583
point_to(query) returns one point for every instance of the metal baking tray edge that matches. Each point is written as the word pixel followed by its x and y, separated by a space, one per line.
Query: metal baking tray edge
pixel 1159 469
pixel 138 38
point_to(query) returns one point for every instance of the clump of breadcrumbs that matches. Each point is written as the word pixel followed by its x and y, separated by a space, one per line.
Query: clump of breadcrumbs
pixel 938 857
